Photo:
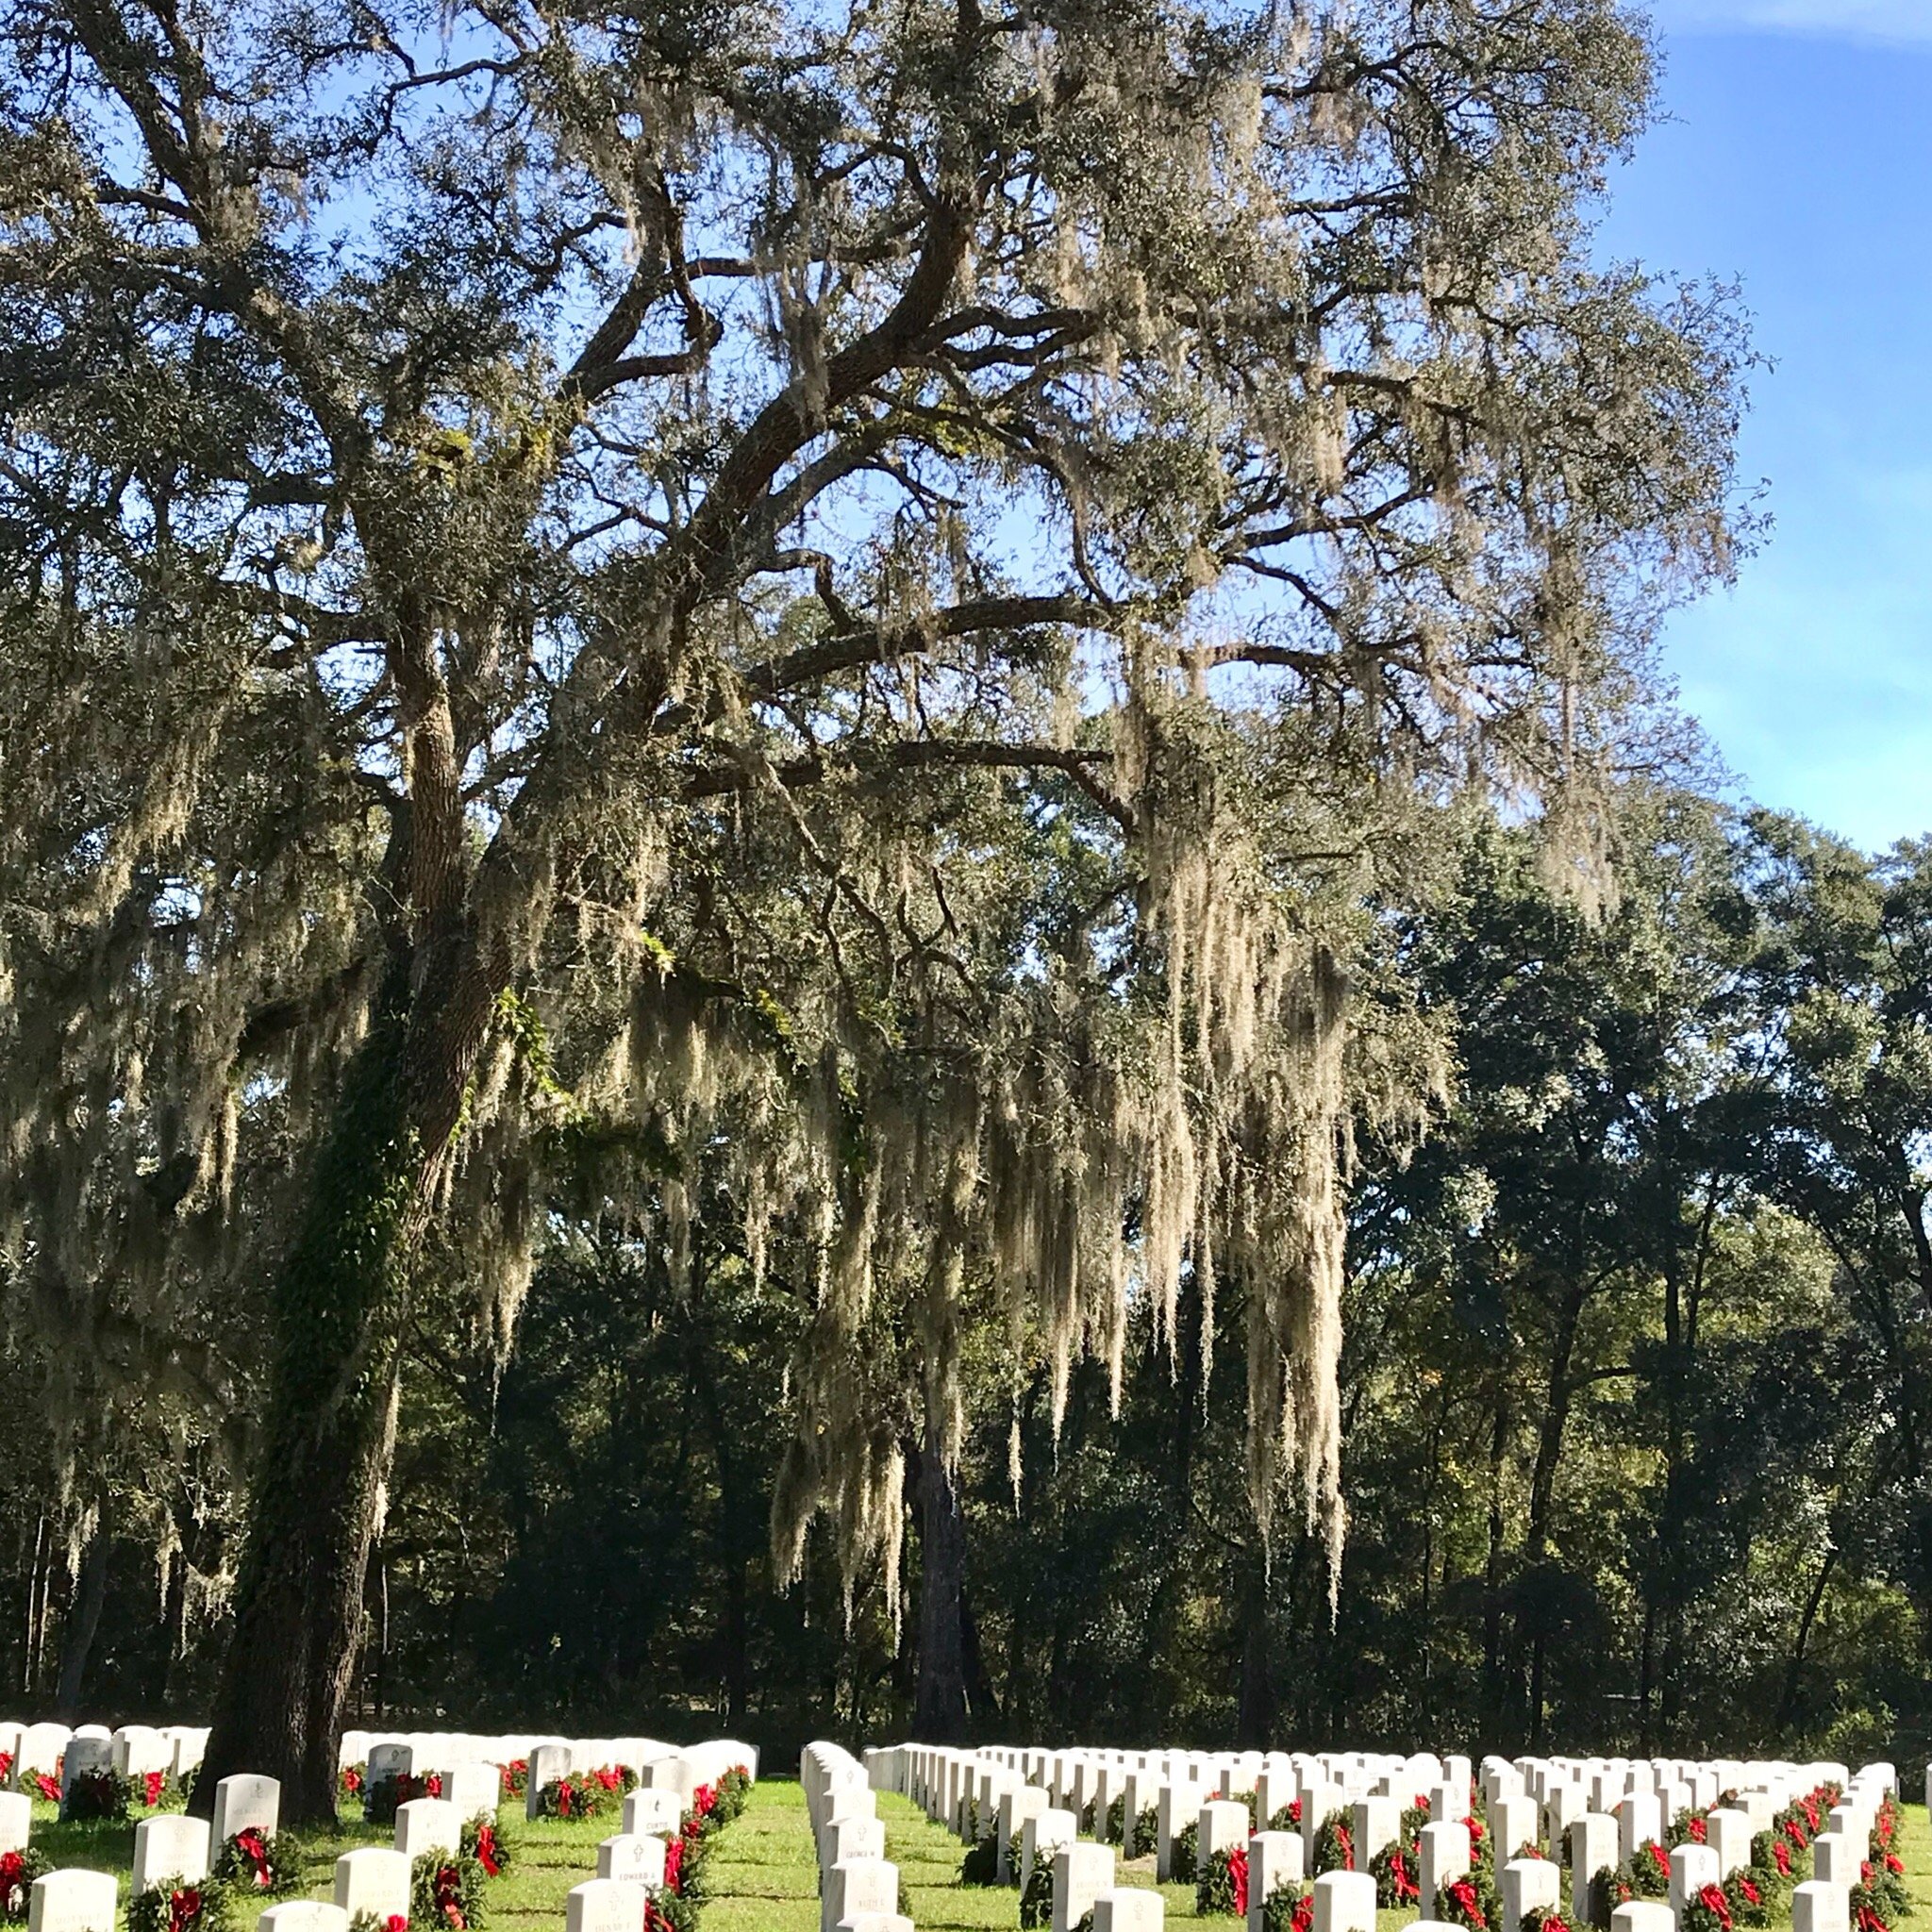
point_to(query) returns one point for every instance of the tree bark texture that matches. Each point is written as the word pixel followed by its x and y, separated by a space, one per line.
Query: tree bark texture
pixel 940 1710
pixel 340 1305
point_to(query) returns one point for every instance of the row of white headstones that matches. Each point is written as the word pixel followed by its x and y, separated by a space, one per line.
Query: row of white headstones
pixel 859 1886
pixel 1605 1809
pixel 370 1878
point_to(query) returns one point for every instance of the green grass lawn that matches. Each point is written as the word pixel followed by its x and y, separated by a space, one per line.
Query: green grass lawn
pixel 760 1876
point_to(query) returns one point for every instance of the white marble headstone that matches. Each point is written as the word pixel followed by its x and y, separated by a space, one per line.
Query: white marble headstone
pixel 429 1825
pixel 169 1847
pixel 373 1879
pixel 303 1915
pixel 633 1858
pixel 247 1803
pixel 548 1762
pixel 72 1900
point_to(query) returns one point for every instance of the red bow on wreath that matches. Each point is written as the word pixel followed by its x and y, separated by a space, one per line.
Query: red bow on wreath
pixel 1238 1880
pixel 1713 1901
pixel 1781 1856
pixel 396 1921
pixel 1462 1893
pixel 184 1909
pixel 12 1880
pixel 49 1788
pixel 151 1784
pixel 609 1779
pixel 673 1864
pixel 1405 1887
pixel 1660 1858
pixel 1303 1919
pixel 1866 1920
pixel 564 1795
pixel 447 1895
pixel 486 1849
pixel 257 1854
pixel 1700 1832
pixel 1752 1896
pixel 1894 1862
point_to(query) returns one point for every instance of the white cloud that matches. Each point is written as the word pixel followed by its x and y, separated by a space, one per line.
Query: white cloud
pixel 1866 20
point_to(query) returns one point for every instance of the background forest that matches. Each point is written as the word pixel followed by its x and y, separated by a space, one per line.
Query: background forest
pixel 1633 1385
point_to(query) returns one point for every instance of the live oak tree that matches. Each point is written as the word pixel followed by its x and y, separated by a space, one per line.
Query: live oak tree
pixel 585 588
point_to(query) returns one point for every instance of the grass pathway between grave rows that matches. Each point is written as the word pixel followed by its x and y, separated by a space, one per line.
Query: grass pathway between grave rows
pixel 760 1876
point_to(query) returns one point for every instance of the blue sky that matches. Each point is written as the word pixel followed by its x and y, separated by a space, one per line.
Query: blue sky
pixel 1797 157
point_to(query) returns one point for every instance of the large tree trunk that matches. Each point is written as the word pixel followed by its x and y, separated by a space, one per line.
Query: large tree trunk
pixel 1255 1713
pixel 83 1623
pixel 339 1307
pixel 939 1701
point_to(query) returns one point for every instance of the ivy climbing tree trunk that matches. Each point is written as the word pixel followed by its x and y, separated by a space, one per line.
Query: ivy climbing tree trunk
pixel 341 1304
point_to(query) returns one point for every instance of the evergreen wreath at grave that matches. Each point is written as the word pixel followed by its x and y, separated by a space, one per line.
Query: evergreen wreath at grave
pixel 155 1790
pixel 1463 1902
pixel 176 1906
pixel 18 1870
pixel 588 1794
pixel 1146 1830
pixel 446 1892
pixel 265 1866
pixel 1482 1849
pixel 1604 1884
pixel 1879 1898
pixel 366 1920
pixel 667 1912
pixel 1774 1864
pixel 1035 1898
pixel 349 1783
pixel 981 1864
pixel 516 1778
pixel 96 1794
pixel 1252 1799
pixel 382 1795
pixel 1334 1845
pixel 1646 1873
pixel 1015 1850
pixel 1751 1904
pixel 1222 1889
pixel 1548 1919
pixel 1185 1867
pixel 1707 1910
pixel 1398 1875
pixel 734 1795
pixel 1288 1910
pixel 1289 1818
pixel 491 1845
pixel 1114 1830
pixel 47 1784
pixel 1689 1828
